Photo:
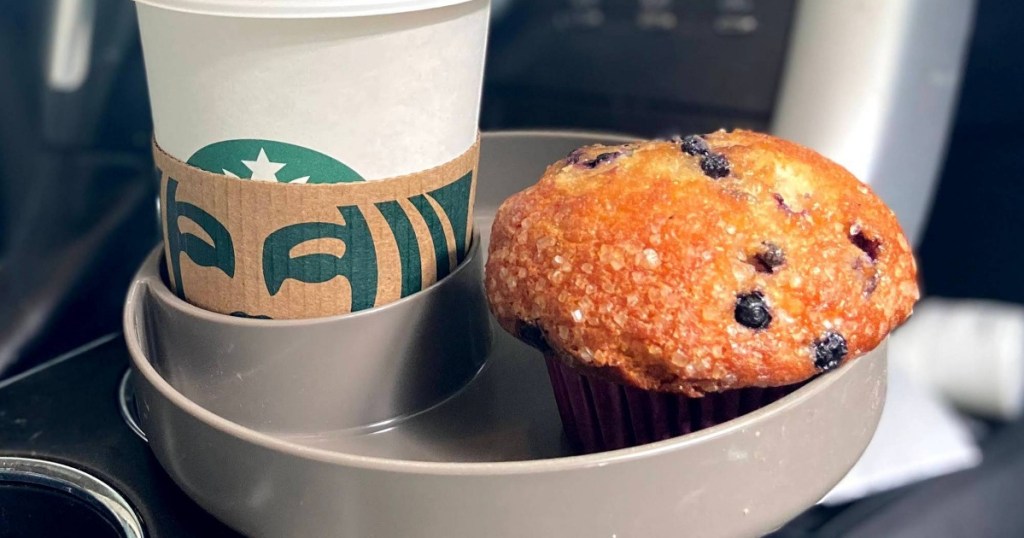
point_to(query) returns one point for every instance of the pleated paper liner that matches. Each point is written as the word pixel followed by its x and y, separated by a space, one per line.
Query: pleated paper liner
pixel 599 415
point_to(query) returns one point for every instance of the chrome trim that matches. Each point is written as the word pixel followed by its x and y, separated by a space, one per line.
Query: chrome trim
pixel 126 402
pixel 77 483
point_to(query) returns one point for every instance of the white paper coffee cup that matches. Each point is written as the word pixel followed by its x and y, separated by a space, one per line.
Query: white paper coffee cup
pixel 376 100
pixel 384 88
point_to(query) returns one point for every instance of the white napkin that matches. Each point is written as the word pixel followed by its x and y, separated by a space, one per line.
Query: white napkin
pixel 919 437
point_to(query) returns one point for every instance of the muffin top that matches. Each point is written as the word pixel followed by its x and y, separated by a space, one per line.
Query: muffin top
pixel 700 264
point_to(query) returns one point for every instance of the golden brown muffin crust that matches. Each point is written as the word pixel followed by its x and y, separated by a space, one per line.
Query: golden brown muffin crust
pixel 631 263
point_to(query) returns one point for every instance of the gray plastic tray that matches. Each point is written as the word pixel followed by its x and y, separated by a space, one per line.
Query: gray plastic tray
pixel 491 460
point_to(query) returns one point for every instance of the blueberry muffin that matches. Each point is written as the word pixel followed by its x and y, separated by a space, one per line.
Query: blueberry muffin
pixel 684 282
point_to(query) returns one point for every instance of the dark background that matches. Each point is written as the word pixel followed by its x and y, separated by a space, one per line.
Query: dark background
pixel 973 243
pixel 77 192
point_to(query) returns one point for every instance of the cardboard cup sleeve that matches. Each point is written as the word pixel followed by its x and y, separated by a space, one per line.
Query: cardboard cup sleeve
pixel 288 251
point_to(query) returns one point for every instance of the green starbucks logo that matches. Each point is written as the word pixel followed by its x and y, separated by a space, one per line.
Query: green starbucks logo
pixel 266 160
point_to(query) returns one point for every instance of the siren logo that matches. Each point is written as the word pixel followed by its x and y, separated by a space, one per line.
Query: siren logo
pixel 251 159
pixel 444 211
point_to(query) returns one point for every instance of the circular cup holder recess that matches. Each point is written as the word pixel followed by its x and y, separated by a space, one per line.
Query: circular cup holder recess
pixel 126 402
pixel 45 487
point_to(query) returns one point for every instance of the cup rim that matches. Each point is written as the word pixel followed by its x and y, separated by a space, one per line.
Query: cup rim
pixel 162 292
pixel 298 9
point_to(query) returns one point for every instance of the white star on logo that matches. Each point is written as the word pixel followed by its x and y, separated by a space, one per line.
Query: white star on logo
pixel 262 168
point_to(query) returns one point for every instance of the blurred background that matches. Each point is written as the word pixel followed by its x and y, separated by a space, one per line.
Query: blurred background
pixel 920 98
pixel 77 189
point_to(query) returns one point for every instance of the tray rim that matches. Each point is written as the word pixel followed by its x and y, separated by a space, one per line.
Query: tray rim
pixel 142 365
pixel 158 287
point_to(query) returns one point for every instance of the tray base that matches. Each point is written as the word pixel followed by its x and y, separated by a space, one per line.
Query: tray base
pixel 507 413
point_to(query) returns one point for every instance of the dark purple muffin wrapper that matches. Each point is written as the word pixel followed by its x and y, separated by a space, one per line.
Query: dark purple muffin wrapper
pixel 599 415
